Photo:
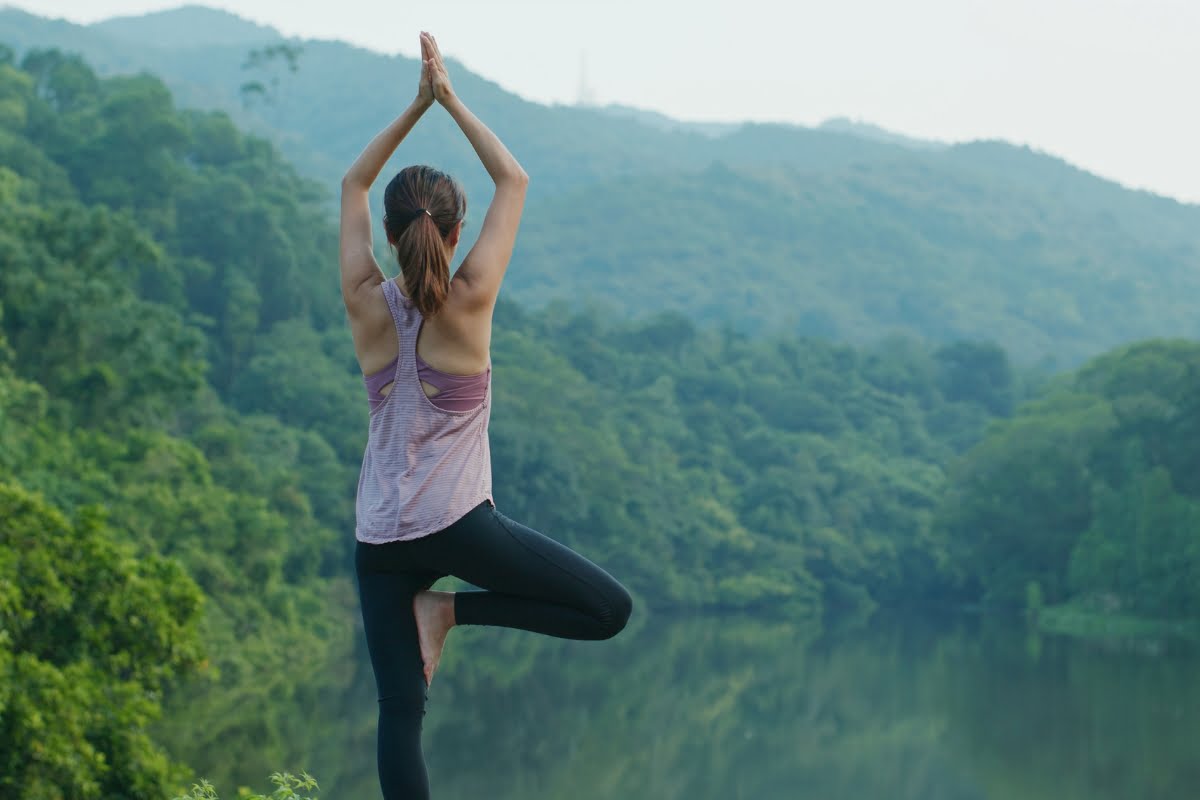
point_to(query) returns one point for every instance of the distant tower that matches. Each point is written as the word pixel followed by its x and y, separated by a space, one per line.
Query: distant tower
pixel 587 97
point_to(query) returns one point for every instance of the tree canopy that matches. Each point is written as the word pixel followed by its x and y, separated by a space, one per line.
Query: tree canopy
pixel 181 423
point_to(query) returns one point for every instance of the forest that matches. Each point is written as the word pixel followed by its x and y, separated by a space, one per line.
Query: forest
pixel 181 423
pixel 829 231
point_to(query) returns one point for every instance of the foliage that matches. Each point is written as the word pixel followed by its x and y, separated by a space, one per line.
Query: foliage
pixel 90 636
pixel 266 58
pixel 1092 491
pixel 1095 622
pixel 716 470
pixel 927 244
pixel 183 362
pixel 761 227
pixel 757 473
pixel 115 339
pixel 287 787
pixel 172 351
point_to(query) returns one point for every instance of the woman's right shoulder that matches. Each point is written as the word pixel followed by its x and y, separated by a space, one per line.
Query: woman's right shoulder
pixel 369 310
pixel 374 330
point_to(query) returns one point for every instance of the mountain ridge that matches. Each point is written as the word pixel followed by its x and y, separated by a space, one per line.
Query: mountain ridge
pixel 235 30
pixel 188 25
pixel 196 26
pixel 764 228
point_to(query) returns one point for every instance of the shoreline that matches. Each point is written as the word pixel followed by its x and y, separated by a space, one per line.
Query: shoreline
pixel 1082 623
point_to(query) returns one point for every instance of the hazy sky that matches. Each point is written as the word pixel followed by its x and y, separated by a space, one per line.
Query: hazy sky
pixel 1110 85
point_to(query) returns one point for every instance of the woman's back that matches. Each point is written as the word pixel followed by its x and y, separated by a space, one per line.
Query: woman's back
pixel 422 339
pixel 424 465
pixel 450 345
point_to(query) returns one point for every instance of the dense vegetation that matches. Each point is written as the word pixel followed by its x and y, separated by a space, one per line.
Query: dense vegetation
pixel 934 245
pixel 90 635
pixel 114 318
pixel 181 420
pixel 196 306
pixel 1091 493
pixel 837 232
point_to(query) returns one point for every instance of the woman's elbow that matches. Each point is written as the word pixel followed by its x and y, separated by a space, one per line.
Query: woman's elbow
pixel 516 177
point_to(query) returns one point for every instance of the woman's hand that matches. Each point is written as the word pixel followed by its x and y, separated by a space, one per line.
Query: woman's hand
pixel 425 87
pixel 431 57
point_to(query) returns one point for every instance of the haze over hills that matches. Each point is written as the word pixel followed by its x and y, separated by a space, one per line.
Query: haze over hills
pixel 187 26
pixel 869 131
pixel 844 230
pixel 323 114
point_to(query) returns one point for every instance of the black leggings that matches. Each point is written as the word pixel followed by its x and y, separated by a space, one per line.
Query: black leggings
pixel 531 582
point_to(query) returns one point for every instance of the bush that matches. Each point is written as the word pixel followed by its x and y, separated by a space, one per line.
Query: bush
pixel 287 786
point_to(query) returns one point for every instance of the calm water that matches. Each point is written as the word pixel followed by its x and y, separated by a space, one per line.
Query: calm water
pixel 720 708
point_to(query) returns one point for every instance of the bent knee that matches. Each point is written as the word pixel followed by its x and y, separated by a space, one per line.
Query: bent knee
pixel 620 606
pixel 406 707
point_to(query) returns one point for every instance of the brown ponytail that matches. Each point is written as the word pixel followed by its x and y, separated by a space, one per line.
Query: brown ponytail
pixel 422 207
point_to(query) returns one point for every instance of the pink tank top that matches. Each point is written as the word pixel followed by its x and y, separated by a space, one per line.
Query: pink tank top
pixel 455 392
pixel 424 467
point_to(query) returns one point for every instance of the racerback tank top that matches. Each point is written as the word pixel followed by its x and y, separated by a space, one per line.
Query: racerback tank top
pixel 424 467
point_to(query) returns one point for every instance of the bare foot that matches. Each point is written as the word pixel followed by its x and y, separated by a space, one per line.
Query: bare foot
pixel 434 612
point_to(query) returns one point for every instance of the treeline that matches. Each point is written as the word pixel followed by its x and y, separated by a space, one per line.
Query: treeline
pixel 181 422
pixel 722 471
pixel 1091 493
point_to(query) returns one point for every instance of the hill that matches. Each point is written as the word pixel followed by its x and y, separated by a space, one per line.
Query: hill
pixel 187 26
pixel 843 230
pixel 920 245
pixel 869 131
pixel 323 114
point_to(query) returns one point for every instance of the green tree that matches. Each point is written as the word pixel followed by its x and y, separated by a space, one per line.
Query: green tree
pixel 90 636
pixel 1089 491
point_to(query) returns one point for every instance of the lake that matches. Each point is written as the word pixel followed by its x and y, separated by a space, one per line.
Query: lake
pixel 725 708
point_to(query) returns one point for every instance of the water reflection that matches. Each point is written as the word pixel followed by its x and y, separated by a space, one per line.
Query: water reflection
pixel 733 708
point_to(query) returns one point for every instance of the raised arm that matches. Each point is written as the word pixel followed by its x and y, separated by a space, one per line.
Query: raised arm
pixel 478 279
pixel 360 271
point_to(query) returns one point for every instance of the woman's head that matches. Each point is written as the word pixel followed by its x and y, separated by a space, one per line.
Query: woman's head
pixel 423 213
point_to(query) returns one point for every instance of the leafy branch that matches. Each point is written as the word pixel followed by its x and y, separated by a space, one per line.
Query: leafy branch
pixel 287 786
pixel 267 58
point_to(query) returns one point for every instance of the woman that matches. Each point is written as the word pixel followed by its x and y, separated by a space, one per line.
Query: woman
pixel 424 506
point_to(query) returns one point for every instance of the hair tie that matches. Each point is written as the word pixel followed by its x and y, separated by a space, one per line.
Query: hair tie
pixel 415 215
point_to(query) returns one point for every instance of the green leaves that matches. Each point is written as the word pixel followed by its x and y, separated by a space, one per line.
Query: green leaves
pixel 113 314
pixel 90 635
pixel 731 473
pixel 1091 491
pixel 288 786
